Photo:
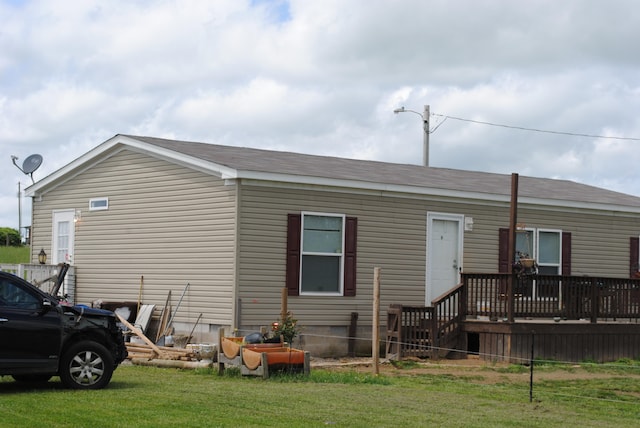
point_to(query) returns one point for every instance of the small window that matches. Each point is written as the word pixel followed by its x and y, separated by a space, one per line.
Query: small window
pixel 97 204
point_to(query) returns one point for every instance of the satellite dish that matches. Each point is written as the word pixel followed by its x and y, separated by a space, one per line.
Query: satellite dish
pixel 29 165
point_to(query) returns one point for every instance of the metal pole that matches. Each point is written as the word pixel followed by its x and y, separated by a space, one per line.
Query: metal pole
pixel 20 212
pixel 531 370
pixel 425 120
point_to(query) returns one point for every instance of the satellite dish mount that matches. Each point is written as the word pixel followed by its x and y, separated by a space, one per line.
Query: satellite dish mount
pixel 29 165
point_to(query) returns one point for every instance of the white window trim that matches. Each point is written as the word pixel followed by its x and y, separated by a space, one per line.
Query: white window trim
pixel 536 252
pixel 92 207
pixel 340 291
pixel 537 248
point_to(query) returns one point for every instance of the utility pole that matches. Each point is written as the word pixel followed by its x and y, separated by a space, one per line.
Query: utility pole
pixel 425 125
pixel 425 149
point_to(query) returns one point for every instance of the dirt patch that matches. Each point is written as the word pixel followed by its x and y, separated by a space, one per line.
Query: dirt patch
pixel 472 367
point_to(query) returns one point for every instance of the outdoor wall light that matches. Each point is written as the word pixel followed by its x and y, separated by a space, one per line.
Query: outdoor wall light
pixel 77 216
pixel 468 224
pixel 42 257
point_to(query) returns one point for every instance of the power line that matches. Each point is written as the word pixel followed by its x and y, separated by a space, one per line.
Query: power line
pixel 522 128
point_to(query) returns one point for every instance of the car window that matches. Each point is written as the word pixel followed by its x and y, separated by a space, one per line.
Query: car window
pixel 14 296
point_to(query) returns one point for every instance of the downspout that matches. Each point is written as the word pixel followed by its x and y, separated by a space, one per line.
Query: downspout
pixel 236 302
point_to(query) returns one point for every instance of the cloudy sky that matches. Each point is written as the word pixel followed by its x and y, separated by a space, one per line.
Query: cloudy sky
pixel 323 77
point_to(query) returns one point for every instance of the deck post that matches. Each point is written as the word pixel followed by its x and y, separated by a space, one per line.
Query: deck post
pixel 284 310
pixel 375 339
pixel 513 218
pixel 434 339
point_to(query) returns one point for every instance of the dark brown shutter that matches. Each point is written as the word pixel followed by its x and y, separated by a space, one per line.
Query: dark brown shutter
pixel 566 253
pixel 504 262
pixel 294 222
pixel 350 246
pixel 633 256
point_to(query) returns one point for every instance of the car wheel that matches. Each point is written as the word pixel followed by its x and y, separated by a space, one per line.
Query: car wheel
pixel 86 365
pixel 32 378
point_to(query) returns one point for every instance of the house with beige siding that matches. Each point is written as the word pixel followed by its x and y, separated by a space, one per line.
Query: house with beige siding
pixel 141 216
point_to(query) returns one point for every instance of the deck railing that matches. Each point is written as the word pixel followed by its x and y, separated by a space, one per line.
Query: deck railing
pixel 429 331
pixel 552 296
pixel 43 276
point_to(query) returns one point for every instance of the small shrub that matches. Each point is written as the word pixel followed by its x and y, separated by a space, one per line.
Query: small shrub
pixel 287 328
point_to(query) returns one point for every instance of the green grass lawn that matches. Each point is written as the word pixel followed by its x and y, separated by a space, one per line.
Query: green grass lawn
pixel 14 255
pixel 153 397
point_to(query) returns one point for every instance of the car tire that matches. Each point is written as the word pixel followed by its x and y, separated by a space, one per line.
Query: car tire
pixel 32 378
pixel 86 365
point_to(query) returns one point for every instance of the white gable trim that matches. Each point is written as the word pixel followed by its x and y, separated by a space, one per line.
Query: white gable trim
pixel 114 146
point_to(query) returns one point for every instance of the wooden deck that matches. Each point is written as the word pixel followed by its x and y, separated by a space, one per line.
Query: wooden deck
pixel 502 317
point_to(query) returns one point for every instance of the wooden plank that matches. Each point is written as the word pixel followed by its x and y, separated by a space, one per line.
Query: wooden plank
pixel 140 334
pixel 164 317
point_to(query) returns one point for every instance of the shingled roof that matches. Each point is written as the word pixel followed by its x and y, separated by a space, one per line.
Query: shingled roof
pixel 244 159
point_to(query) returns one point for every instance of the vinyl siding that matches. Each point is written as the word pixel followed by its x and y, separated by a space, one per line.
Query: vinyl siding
pixel 166 223
pixel 392 235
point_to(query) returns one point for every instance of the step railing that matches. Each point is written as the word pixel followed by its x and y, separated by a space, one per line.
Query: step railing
pixel 425 331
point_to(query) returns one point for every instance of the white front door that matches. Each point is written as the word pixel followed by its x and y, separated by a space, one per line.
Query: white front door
pixel 63 237
pixel 444 253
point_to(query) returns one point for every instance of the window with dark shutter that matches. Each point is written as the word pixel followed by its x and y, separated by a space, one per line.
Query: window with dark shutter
pixel 293 254
pixel 350 238
pixel 318 249
pixel 566 253
pixel 504 262
pixel 634 253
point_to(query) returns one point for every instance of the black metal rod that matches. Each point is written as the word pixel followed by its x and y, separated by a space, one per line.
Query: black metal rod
pixel 531 371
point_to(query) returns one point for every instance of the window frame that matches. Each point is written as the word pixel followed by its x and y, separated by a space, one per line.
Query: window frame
pixel 104 207
pixel 557 265
pixel 535 289
pixel 340 255
pixel 535 246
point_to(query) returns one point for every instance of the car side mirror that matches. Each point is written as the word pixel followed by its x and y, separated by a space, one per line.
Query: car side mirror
pixel 46 306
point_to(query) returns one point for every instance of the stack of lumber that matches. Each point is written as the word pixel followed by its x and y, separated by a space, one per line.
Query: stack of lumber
pixel 149 350
pixel 145 351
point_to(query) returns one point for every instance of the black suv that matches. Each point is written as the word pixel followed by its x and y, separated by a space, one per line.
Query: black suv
pixel 41 337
